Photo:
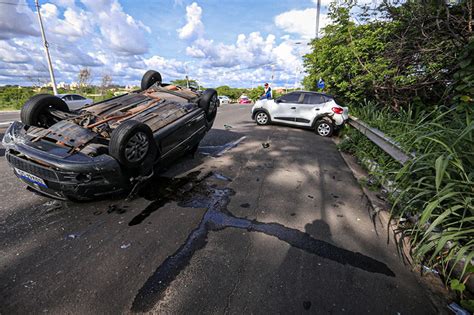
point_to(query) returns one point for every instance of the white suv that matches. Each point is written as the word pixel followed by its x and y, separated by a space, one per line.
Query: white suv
pixel 301 108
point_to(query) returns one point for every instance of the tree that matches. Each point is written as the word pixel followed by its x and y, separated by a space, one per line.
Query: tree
pixel 409 56
pixel 255 93
pixel 184 82
pixel 84 78
pixel 106 81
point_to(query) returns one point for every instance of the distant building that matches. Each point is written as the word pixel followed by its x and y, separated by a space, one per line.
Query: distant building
pixel 63 85
pixel 131 87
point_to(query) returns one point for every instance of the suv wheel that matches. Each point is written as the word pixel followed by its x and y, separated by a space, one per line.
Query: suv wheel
pixel 324 128
pixel 261 118
pixel 209 103
pixel 149 78
pixel 35 112
pixel 133 145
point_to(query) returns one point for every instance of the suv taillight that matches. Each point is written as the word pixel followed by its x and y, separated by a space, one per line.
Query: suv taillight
pixel 337 110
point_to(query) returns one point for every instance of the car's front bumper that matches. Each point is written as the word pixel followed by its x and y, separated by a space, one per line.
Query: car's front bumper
pixel 61 175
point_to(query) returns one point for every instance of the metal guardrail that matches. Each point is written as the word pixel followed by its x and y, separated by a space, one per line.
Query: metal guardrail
pixel 381 140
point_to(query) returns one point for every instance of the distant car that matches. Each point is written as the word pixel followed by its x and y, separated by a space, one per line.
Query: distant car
pixel 223 99
pixel 244 100
pixel 302 108
pixel 109 146
pixel 75 101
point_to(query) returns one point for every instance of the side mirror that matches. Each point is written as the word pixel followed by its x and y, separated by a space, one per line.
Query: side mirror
pixel 278 100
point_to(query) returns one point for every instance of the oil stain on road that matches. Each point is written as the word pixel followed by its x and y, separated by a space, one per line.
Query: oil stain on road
pixel 194 192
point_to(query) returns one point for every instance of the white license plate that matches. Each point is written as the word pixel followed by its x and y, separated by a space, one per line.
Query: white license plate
pixel 30 177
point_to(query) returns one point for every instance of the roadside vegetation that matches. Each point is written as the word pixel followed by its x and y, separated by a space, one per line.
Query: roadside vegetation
pixel 408 70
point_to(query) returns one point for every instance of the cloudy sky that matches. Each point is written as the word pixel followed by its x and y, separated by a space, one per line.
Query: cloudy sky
pixel 232 42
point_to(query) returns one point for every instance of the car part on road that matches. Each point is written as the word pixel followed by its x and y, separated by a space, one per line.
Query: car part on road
pixel 262 118
pixel 324 128
pixel 36 111
pixel 265 145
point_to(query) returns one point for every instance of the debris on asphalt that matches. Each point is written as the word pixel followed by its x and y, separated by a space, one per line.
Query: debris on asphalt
pixel 97 212
pixel 245 205
pixel 227 127
pixel 340 216
pixel 265 145
pixel 125 246
pixel 311 197
pixel 425 268
pixel 73 236
pixel 52 205
pixel 222 177
pixel 293 214
pixel 115 208
pixel 457 309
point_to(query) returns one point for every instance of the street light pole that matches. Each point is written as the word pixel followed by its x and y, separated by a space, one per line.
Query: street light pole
pixel 46 49
pixel 318 9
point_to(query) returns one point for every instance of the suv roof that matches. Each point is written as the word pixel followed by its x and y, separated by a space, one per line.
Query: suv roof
pixel 312 92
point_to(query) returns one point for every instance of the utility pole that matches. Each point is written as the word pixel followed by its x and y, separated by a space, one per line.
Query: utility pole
pixel 46 49
pixel 318 9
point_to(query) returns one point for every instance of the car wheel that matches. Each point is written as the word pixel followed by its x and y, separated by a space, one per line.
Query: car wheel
pixel 208 103
pixel 133 145
pixel 35 111
pixel 262 118
pixel 149 78
pixel 324 128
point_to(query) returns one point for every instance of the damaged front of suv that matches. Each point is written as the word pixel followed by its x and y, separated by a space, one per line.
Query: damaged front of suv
pixel 104 147
pixel 64 161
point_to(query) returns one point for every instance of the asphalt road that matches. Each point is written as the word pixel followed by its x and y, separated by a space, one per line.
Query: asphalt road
pixel 8 116
pixel 281 227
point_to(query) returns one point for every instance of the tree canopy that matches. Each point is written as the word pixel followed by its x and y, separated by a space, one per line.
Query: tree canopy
pixel 397 54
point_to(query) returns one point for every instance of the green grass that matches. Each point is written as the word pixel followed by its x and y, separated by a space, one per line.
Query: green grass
pixel 436 186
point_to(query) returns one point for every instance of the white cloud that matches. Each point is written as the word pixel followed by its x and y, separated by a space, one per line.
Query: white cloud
pixel 194 27
pixel 168 68
pixel 301 22
pixel 11 54
pixel 119 30
pixel 17 20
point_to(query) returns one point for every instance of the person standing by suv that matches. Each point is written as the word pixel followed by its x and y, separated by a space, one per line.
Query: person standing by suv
pixel 268 92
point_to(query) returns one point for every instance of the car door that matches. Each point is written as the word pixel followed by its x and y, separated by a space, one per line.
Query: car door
pixel 311 106
pixel 285 109
pixel 78 101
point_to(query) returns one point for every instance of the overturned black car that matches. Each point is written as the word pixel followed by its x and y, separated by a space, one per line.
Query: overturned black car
pixel 108 146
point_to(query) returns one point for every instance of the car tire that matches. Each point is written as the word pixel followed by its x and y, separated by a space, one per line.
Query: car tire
pixel 324 128
pixel 262 118
pixel 35 111
pixel 133 145
pixel 149 78
pixel 208 103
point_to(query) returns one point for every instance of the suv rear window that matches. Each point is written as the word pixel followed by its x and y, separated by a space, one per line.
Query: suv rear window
pixel 315 99
pixel 290 98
